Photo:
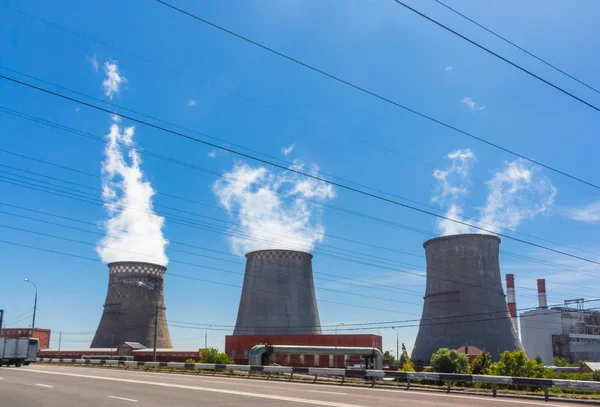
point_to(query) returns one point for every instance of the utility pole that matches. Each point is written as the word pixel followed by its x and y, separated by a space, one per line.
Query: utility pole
pixel 1 319
pixel 336 344
pixel 59 341
pixel 142 284
pixel 206 337
pixel 34 306
pixel 397 348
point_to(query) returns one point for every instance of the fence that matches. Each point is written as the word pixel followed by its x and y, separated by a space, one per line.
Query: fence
pixel 370 375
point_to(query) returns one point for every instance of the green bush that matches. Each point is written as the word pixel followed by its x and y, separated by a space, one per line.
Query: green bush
pixel 481 363
pixel 212 355
pixel 517 364
pixel 449 361
pixel 596 376
pixel 190 360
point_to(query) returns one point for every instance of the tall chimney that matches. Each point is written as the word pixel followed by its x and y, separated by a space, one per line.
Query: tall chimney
pixel 542 300
pixel 512 302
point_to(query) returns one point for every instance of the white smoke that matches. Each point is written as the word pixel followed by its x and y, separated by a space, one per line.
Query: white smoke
pixel 271 208
pixel 133 227
pixel 453 186
pixel 514 194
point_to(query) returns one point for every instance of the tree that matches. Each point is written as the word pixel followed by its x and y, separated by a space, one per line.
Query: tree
pixel 481 363
pixel 387 355
pixel 449 361
pixel 517 364
pixel 561 362
pixel 212 355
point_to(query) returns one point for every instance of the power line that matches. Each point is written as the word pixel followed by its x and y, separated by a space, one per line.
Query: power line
pixel 213 85
pixel 345 258
pixel 495 54
pixel 192 166
pixel 295 170
pixel 383 98
pixel 517 46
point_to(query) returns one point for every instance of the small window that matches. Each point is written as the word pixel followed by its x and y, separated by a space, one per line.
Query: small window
pixel 246 353
pixel 233 353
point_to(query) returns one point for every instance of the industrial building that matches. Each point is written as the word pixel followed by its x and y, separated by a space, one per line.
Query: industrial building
pixel 238 348
pixel 464 300
pixel 136 351
pixel 569 331
pixel 134 303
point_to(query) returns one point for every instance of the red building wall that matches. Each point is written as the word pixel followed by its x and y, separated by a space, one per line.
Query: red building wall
pixel 238 346
pixel 43 335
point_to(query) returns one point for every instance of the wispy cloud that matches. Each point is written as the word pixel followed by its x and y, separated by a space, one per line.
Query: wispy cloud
pixel 113 80
pixel 448 68
pixel 94 62
pixel 272 209
pixel 132 227
pixel 589 213
pixel 191 102
pixel 515 193
pixel 471 104
pixel 212 153
pixel 287 150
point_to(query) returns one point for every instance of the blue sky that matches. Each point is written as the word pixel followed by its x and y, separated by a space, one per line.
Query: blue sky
pixel 186 73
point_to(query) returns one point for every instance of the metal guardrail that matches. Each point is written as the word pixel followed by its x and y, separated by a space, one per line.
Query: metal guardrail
pixel 371 375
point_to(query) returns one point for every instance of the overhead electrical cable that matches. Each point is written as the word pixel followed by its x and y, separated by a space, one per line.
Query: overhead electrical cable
pixel 383 98
pixel 293 170
pixel 517 46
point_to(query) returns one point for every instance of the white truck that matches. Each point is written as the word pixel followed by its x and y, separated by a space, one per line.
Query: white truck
pixel 18 351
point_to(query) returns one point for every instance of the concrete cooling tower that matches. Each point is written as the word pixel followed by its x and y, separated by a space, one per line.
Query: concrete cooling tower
pixel 278 297
pixel 463 279
pixel 130 307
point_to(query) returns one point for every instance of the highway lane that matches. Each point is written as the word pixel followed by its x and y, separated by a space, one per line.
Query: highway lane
pixel 26 386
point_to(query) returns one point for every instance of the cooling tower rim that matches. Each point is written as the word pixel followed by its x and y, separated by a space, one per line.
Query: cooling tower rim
pixel 141 263
pixel 461 235
pixel 256 253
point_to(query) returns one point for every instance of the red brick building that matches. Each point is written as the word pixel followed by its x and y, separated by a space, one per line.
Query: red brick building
pixel 43 335
pixel 128 349
pixel 238 348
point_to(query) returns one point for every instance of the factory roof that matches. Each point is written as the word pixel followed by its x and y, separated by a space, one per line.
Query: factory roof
pixel 135 345
pixel 473 350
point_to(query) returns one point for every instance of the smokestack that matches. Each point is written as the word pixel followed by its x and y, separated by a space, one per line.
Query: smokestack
pixel 542 300
pixel 511 300
pixel 464 298
pixel 278 296
pixel 129 310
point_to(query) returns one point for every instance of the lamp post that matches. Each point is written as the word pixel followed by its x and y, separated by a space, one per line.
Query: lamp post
pixel 34 305
pixel 206 337
pixel 397 347
pixel 336 343
pixel 142 284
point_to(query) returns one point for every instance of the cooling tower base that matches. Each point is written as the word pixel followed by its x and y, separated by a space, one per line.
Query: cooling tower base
pixel 130 308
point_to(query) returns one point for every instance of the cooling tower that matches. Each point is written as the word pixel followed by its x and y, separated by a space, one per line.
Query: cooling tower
pixel 278 296
pixel 464 300
pixel 130 307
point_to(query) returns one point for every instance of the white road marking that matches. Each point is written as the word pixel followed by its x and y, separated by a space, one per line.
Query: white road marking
pixel 122 398
pixel 208 389
pixel 355 391
pixel 44 385
pixel 327 392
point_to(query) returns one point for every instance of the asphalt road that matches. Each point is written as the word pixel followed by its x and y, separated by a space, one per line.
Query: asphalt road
pixel 44 385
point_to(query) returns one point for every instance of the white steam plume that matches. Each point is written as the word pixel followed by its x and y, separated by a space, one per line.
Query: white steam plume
pixel 453 187
pixel 132 227
pixel 271 208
